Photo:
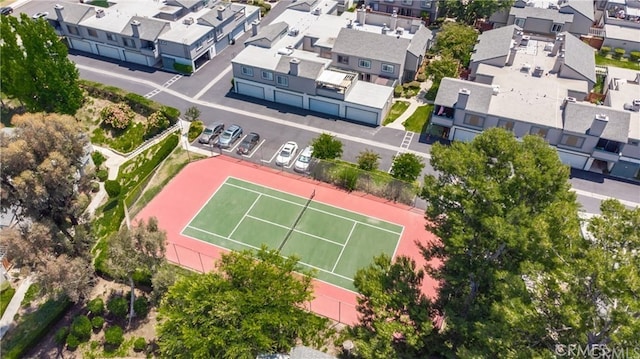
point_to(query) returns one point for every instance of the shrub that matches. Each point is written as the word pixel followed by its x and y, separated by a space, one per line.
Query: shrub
pixel 97 323
pixel 61 335
pixel 172 113
pixel 81 328
pixel 140 344
pixel 348 178
pixel 397 91
pixel 72 342
pixel 634 56
pixel 118 116
pixel 96 306
pixel 102 174
pixel 368 160
pixel 605 50
pixel 95 186
pixel 156 123
pixel 421 78
pixel 183 68
pixel 113 188
pixel 618 52
pixel 98 158
pixel 114 336
pixel 141 307
pixel 118 307
pixel 195 130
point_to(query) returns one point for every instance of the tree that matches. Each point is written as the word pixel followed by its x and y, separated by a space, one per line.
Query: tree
pixel 509 231
pixel 407 167
pixel 456 41
pixel 472 10
pixel 445 66
pixel 192 114
pixel 326 147
pixel 35 68
pixel 368 160
pixel 245 307
pixel 395 317
pixel 140 248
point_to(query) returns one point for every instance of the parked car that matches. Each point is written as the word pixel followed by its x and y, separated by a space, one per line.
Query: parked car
pixel 249 143
pixel 211 132
pixel 6 10
pixel 303 161
pixel 287 153
pixel 230 136
pixel 41 14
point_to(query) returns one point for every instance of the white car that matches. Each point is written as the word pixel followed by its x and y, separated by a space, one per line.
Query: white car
pixel 302 163
pixel 39 15
pixel 287 153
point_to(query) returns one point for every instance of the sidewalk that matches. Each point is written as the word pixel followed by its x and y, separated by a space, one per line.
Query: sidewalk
pixel 6 322
pixel 414 103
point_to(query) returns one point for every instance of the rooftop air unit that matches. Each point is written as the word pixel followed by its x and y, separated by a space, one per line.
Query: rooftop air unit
pixel 317 11
pixel 188 21
pixel 100 13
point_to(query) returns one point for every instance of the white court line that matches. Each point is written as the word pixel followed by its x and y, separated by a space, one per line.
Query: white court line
pixel 295 230
pixel 254 150
pixel 205 204
pixel 345 246
pixel 246 213
pixel 274 156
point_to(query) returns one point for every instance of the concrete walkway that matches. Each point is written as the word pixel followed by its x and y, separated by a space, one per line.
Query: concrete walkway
pixel 414 103
pixel 6 322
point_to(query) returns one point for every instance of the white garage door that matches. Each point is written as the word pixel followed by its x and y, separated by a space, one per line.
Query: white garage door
pixel 572 159
pixel 250 90
pixel 81 45
pixel 135 58
pixel 324 107
pixel 238 31
pixel 109 51
pixel 463 135
pixel 288 99
pixel 359 115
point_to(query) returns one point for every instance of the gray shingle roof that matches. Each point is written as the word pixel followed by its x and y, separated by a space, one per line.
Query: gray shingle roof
pixel 187 3
pixel 479 99
pixel 74 13
pixel 269 32
pixel 306 69
pixel 539 13
pixel 303 5
pixel 493 43
pixel 419 41
pixel 149 29
pixel 579 116
pixel 367 45
pixel 211 17
pixel 581 6
pixel 580 57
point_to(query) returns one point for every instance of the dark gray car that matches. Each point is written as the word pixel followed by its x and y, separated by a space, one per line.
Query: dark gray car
pixel 230 136
pixel 211 132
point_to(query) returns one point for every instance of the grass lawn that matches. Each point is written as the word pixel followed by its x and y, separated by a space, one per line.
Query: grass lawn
pixel 418 121
pixel 5 298
pixel 607 61
pixel 398 108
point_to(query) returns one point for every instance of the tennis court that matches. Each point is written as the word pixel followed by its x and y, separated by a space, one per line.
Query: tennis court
pixel 333 241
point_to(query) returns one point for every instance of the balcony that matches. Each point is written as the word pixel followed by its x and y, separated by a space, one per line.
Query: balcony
pixel 442 116
pixel 601 154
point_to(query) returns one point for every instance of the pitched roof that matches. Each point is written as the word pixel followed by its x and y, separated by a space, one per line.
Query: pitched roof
pixel 211 17
pixel 580 6
pixel 149 29
pixel 269 32
pixel 303 5
pixel 367 45
pixel 75 13
pixel 578 118
pixel 479 99
pixel 419 41
pixel 539 13
pixel 306 68
pixel 580 57
pixel 187 3
pixel 493 43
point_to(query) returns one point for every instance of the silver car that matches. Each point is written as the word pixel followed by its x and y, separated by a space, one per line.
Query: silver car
pixel 211 132
pixel 303 161
pixel 230 136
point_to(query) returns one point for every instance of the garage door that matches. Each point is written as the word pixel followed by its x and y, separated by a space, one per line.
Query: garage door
pixel 81 45
pixel 324 107
pixel 288 99
pixel 572 159
pixel 135 58
pixel 222 44
pixel 250 90
pixel 109 51
pixel 238 31
pixel 359 115
pixel 463 135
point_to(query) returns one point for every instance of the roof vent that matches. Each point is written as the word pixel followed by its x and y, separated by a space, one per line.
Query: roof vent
pixel 602 117
pixel 464 91
pixel 317 11
pixel 496 89
pixel 570 99
pixel 399 31
pixel 100 13
pixel 350 24
pixel 188 21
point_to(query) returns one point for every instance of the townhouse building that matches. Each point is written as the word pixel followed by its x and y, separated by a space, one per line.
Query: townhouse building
pixel 177 35
pixel 426 9
pixel 619 21
pixel 343 66
pixel 528 84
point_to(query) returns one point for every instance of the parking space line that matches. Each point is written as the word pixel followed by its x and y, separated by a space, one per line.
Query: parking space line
pixel 294 160
pixel 274 155
pixel 236 144
pixel 254 150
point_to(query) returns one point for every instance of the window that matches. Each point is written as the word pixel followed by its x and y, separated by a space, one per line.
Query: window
pixel 282 80
pixel 407 2
pixel 556 28
pixel 343 59
pixel 267 75
pixel 506 124
pixel 474 120
pixel 111 37
pixel 128 42
pixel 388 68
pixel 248 71
pixel 519 22
pixel 633 142
pixel 608 146
pixel 426 4
pixel 198 45
pixel 73 30
pixel 539 131
pixel 92 32
pixel 572 141
pixel 364 63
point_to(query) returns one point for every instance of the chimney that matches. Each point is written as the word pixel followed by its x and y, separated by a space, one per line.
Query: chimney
pixel 293 66
pixel 394 20
pixel 558 64
pixel 463 98
pixel 254 27
pixel 350 24
pixel 385 29
pixel 220 10
pixel 361 15
pixel 59 13
pixel 598 125
pixel 135 27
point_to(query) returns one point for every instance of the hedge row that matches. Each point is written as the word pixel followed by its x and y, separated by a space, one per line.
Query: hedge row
pixel 139 104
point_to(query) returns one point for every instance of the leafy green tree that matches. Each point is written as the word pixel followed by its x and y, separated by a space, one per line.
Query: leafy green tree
pixel 395 317
pixel 456 41
pixel 35 68
pixel 472 10
pixel 368 160
pixel 445 66
pixel 192 114
pixel 249 305
pixel 407 167
pixel 508 226
pixel 326 147
pixel 140 248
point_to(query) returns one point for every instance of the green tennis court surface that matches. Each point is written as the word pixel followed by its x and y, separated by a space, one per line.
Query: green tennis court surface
pixel 335 242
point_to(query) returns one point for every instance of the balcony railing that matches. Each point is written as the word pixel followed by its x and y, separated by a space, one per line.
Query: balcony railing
pixel 441 120
pixel 603 155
